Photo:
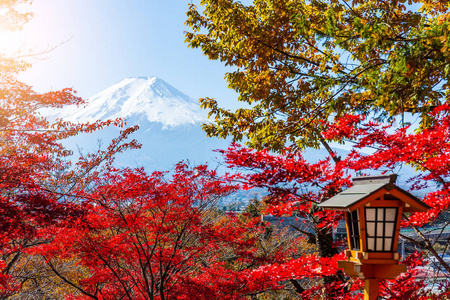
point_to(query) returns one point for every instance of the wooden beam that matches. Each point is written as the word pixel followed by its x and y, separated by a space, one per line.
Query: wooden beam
pixel 371 289
pixel 397 229
pixel 385 203
pixel 368 199
pixel 347 225
pixel 414 205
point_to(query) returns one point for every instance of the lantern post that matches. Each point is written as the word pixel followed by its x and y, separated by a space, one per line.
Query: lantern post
pixel 373 212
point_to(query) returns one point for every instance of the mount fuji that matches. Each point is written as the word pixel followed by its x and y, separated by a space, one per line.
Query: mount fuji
pixel 140 99
pixel 169 124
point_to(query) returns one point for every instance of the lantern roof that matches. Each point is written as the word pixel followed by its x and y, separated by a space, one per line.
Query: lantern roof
pixel 368 188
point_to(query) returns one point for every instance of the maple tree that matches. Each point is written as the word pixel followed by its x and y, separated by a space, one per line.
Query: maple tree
pixel 303 66
pixel 310 72
pixel 153 237
pixel 299 62
pixel 36 176
pixel 296 186
pixel 426 150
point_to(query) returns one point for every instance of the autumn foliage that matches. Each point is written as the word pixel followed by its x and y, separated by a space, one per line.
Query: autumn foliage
pixel 86 230
pixel 143 237
pixel 36 176
pixel 315 72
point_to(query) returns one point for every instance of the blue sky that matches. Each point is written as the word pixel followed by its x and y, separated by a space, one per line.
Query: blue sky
pixel 103 41
pixel 100 42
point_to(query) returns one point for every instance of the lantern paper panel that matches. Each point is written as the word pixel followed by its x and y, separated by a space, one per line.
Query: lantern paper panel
pixel 380 227
pixel 354 230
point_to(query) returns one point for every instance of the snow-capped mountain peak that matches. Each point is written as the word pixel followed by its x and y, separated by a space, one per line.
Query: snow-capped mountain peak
pixel 139 99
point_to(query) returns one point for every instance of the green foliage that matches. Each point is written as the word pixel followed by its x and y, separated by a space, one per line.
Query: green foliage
pixel 253 209
pixel 299 64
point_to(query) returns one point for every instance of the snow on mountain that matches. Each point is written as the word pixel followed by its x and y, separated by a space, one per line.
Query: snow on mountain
pixel 139 99
pixel 169 124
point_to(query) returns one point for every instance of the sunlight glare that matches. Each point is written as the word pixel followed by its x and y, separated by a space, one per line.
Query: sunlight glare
pixel 11 43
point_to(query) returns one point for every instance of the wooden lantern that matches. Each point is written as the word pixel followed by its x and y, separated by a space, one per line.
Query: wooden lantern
pixel 374 208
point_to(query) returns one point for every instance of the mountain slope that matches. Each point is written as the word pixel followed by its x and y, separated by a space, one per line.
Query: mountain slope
pixel 140 99
pixel 169 124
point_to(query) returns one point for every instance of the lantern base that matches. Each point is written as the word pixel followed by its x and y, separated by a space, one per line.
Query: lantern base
pixel 371 289
pixel 378 270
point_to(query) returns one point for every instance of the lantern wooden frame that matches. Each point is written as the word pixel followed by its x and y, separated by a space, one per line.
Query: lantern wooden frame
pixel 378 193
